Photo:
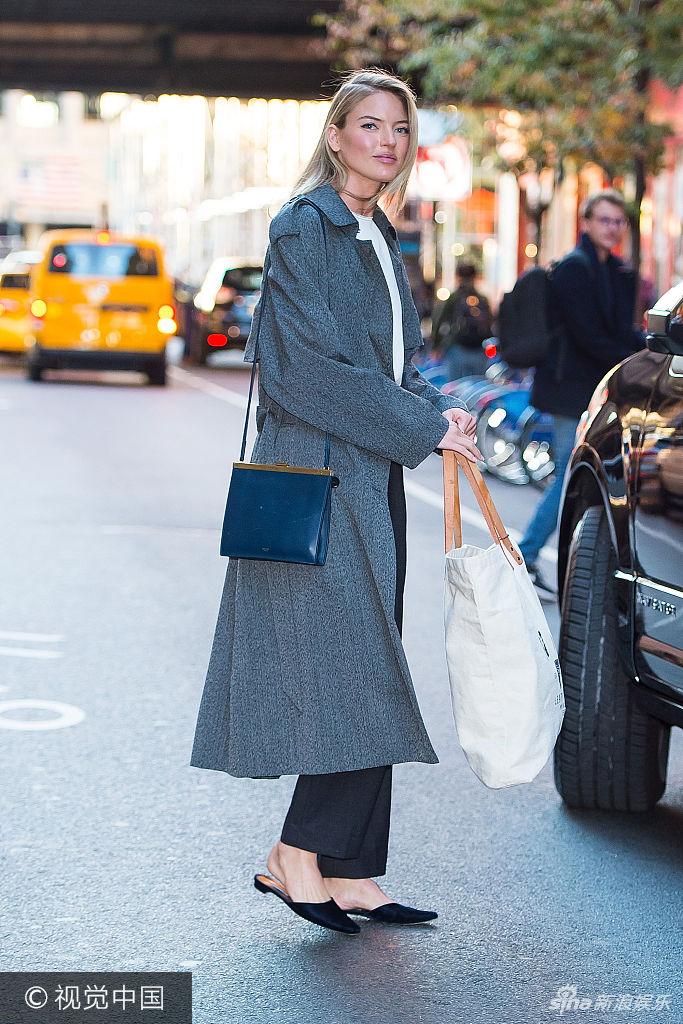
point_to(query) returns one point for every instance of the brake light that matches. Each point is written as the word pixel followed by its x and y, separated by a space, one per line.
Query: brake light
pixel 216 340
pixel 38 308
pixel 166 325
pixel 166 313
pixel 490 350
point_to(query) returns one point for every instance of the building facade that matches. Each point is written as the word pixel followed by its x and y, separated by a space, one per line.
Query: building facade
pixel 54 167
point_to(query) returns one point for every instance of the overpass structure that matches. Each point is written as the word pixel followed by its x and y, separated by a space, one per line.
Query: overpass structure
pixel 263 48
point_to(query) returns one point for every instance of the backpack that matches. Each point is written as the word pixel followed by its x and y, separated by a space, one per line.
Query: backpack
pixel 524 331
pixel 470 322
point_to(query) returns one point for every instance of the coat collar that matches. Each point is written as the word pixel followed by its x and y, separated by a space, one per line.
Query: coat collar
pixel 337 212
pixel 587 246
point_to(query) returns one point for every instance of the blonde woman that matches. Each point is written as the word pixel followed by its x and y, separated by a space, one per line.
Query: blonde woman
pixel 307 674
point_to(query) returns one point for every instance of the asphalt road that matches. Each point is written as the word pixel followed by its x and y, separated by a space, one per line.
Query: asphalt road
pixel 115 854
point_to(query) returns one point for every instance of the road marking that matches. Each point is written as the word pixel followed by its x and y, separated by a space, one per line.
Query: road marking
pixel 185 531
pixel 36 638
pixel 424 494
pixel 468 515
pixel 67 715
pixel 208 387
pixel 435 499
pixel 27 652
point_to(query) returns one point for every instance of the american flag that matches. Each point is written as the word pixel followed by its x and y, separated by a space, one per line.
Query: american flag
pixel 51 183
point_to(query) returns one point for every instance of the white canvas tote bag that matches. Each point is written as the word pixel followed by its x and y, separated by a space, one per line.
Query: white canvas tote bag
pixel 504 673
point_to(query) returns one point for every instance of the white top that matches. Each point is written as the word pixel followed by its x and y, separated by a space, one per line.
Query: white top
pixel 368 231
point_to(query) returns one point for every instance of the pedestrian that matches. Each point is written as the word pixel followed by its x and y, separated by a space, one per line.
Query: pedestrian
pixel 592 302
pixel 307 674
pixel 461 325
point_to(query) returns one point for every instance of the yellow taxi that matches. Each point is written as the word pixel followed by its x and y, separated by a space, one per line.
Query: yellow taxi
pixel 14 300
pixel 101 301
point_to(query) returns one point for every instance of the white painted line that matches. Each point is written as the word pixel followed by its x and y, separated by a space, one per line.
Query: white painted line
pixel 207 386
pixel 67 715
pixel 424 494
pixel 185 531
pixel 36 638
pixel 469 515
pixel 430 497
pixel 27 652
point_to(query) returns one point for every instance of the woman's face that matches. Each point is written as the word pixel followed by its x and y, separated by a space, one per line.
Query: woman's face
pixel 374 141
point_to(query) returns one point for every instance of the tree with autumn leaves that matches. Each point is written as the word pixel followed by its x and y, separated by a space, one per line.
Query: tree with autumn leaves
pixel 573 74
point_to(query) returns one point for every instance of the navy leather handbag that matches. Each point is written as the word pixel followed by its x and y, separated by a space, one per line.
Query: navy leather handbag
pixel 278 512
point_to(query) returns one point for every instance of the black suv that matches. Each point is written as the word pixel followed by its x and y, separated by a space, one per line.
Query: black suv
pixel 620 575
pixel 223 308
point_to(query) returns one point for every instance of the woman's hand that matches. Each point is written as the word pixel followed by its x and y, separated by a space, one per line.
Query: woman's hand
pixel 462 427
pixel 463 419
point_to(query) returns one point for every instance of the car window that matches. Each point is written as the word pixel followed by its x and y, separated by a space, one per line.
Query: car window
pixel 245 279
pixel 15 281
pixel 87 259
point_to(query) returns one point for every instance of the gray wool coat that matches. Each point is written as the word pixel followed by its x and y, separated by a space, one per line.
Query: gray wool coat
pixel 307 672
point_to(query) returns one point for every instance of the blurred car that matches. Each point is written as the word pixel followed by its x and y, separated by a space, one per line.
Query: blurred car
pixel 100 301
pixel 14 299
pixel 223 308
pixel 21 257
pixel 620 574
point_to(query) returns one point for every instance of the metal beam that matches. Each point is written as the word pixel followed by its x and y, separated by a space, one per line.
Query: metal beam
pixel 259 48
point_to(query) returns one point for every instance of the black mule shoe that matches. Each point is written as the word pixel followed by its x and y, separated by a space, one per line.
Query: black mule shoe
pixel 396 913
pixel 327 915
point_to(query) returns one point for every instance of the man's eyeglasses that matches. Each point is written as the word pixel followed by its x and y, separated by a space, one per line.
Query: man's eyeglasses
pixel 613 222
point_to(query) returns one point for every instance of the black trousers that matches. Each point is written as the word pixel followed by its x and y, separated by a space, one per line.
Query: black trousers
pixel 344 816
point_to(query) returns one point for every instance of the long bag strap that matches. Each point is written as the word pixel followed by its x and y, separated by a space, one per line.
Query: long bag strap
pixel 264 293
pixel 451 505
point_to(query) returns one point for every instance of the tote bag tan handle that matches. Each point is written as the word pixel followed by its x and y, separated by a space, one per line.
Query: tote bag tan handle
pixel 451 504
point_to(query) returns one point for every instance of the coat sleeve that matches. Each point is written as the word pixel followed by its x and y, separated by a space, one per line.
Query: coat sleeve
pixel 572 286
pixel 299 369
pixel 414 382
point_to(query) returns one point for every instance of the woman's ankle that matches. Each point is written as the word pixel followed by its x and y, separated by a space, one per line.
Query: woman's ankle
pixel 292 853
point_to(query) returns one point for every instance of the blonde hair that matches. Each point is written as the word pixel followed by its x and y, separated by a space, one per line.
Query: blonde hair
pixel 325 165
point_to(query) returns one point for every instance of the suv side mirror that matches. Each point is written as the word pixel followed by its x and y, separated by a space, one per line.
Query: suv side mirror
pixel 665 323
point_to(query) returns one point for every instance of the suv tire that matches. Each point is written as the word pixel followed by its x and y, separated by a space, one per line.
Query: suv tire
pixel 156 371
pixel 197 349
pixel 34 371
pixel 610 754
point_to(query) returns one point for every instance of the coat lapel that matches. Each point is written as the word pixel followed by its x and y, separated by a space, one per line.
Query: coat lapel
pixel 338 213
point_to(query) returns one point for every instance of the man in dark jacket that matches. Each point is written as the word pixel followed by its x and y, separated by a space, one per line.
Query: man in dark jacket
pixel 592 307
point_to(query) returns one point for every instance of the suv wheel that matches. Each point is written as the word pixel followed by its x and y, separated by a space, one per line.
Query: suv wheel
pixel 610 754
pixel 156 371
pixel 197 349
pixel 34 371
